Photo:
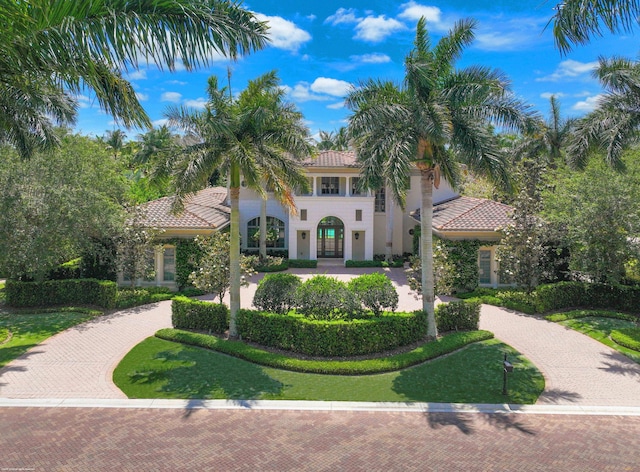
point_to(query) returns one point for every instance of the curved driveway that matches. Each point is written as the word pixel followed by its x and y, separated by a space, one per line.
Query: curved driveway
pixel 79 362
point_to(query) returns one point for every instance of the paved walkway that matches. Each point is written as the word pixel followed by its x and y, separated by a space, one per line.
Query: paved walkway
pixel 79 362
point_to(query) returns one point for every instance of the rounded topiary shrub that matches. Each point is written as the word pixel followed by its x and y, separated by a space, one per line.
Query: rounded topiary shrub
pixel 276 293
pixel 326 298
pixel 375 291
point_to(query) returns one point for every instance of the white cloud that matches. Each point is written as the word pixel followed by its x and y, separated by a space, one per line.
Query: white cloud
pixel 376 29
pixel 336 106
pixel 177 82
pixel 174 97
pixel 374 58
pixel 301 92
pixel 283 33
pixel 414 11
pixel 548 95
pixel 333 87
pixel 143 97
pixel 197 103
pixel 589 104
pixel 343 16
pixel 140 74
pixel 84 101
pixel 160 122
pixel 569 69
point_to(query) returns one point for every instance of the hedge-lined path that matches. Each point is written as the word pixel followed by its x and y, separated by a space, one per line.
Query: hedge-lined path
pixel 79 362
pixel 578 370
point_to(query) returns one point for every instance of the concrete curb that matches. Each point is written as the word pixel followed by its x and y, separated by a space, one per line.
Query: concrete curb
pixel 408 407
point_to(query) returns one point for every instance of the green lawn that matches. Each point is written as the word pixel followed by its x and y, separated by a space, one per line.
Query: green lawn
pixel 30 329
pixel 599 328
pixel 157 368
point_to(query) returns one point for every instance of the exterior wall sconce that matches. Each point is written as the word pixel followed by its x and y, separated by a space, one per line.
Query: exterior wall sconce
pixel 357 236
pixel 303 235
pixel 411 231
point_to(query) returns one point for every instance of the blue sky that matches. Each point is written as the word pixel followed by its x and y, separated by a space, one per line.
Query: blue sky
pixel 320 49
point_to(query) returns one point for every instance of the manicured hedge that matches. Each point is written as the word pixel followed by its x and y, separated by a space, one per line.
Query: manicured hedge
pixel 458 316
pixel 394 263
pixel 564 295
pixel 629 338
pixel 101 293
pixel 435 348
pixel 198 315
pixel 341 338
pixel 303 263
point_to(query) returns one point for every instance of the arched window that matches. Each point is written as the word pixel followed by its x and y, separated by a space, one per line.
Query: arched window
pixel 275 232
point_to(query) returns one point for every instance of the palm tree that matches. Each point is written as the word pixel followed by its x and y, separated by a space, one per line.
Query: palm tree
pixel 438 117
pixel 115 141
pixel 256 137
pixel 577 21
pixel 549 138
pixel 51 47
pixel 613 126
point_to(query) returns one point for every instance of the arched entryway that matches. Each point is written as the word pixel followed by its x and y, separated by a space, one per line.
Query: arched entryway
pixel 330 237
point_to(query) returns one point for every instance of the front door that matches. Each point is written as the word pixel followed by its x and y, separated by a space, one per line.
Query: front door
pixel 330 238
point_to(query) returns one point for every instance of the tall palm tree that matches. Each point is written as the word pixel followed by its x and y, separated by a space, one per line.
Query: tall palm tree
pixel 437 118
pixel 613 126
pixel 256 137
pixel 51 47
pixel 115 141
pixel 549 138
pixel 577 21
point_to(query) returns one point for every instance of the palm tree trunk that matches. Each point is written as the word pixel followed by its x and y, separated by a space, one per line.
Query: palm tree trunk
pixel 263 228
pixel 426 241
pixel 234 257
pixel 388 207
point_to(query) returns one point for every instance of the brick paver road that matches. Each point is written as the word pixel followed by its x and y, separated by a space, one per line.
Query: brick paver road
pixel 97 439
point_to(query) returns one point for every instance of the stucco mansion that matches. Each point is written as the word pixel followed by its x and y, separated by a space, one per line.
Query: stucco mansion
pixel 335 220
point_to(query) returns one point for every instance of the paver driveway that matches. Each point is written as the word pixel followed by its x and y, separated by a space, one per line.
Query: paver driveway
pixel 79 362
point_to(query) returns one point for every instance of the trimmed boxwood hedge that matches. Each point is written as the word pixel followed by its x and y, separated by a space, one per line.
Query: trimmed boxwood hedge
pixel 198 315
pixel 441 346
pixel 394 263
pixel 302 263
pixel 101 293
pixel 629 338
pixel 294 332
pixel 564 295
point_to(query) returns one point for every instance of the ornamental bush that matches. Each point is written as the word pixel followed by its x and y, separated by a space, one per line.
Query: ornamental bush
pixel 375 291
pixel 277 293
pixel 294 332
pixel 457 316
pixel 326 298
pixel 198 315
pixel 564 295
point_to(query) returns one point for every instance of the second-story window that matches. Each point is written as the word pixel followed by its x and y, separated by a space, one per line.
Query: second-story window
pixel 379 201
pixel 330 186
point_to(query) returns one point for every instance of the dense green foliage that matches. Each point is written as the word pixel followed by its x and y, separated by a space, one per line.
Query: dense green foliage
pixel 600 209
pixel 578 294
pixel 188 255
pixel 375 291
pixel 458 316
pixel 101 293
pixel 198 315
pixel 430 350
pixel 326 298
pixel 513 299
pixel 130 297
pixel 276 293
pixel 576 314
pixel 57 206
pixel 294 332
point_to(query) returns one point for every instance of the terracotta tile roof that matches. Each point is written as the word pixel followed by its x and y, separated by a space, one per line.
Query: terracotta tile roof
pixel 205 209
pixel 469 214
pixel 332 159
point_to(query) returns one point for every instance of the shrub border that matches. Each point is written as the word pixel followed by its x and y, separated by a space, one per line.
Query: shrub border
pixel 430 350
